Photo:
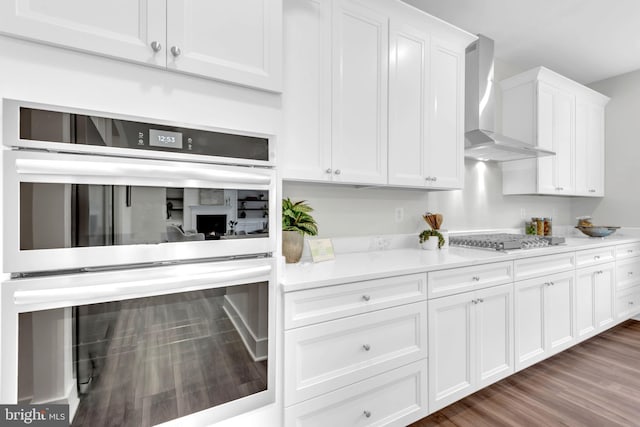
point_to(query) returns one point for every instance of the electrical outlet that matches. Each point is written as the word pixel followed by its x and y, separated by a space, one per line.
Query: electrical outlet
pixel 399 215
pixel 380 243
pixel 523 213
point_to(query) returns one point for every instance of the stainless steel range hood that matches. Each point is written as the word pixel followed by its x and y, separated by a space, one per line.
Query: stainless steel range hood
pixel 481 142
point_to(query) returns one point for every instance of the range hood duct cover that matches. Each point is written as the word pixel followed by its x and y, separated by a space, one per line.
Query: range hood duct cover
pixel 481 140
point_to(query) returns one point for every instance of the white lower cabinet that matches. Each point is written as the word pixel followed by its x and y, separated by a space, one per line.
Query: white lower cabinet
pixel 470 343
pixel 595 299
pixel 355 354
pixel 544 317
pixel 396 397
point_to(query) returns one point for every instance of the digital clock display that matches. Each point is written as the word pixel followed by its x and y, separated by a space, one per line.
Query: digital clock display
pixel 165 138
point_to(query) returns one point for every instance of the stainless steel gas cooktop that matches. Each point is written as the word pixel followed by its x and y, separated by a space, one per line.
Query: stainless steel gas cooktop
pixel 504 241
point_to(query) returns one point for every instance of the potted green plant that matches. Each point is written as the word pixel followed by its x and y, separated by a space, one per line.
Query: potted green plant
pixel 431 244
pixel 296 222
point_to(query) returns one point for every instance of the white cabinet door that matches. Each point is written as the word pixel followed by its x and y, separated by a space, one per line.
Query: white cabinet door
pixel 530 345
pixel 305 147
pixel 119 28
pixel 559 311
pixel 359 86
pixel 604 296
pixel 595 299
pixel 555 132
pixel 451 370
pixel 445 157
pixel 235 41
pixel 589 149
pixel 494 334
pixel 545 317
pixel 408 104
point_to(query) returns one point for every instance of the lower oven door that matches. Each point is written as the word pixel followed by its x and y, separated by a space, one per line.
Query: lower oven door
pixel 68 211
pixel 142 346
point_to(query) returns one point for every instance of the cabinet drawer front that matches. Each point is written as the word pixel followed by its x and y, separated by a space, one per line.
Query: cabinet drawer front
pixel 628 250
pixel 595 256
pixel 628 304
pixel 397 397
pixel 543 265
pixel 627 273
pixel 320 358
pixel 456 280
pixel 317 305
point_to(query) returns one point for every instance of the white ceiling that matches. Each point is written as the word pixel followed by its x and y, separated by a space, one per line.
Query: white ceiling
pixel 585 40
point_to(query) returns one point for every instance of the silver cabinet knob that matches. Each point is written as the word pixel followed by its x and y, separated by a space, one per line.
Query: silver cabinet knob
pixel 366 347
pixel 366 297
pixel 329 170
pixel 597 257
pixel 480 300
pixel 338 172
pixel 476 278
pixel 175 51
pixel 367 414
pixel 156 46
pixel 630 302
pixel 474 301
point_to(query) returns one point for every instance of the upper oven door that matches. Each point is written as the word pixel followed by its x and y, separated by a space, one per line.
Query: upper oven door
pixel 70 211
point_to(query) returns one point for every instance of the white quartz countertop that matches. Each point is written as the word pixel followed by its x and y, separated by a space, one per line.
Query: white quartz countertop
pixel 366 265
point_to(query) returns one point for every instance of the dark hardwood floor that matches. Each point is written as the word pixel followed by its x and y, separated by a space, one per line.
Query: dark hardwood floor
pixel 595 383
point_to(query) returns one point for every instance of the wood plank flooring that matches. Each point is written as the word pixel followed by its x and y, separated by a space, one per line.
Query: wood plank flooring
pixel 595 383
pixel 169 356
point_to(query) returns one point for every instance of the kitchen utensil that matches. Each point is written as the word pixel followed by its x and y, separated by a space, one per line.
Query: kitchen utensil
pixel 597 230
pixel 434 220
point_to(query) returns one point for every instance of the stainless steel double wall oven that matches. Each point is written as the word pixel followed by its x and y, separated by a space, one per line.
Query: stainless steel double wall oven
pixel 140 261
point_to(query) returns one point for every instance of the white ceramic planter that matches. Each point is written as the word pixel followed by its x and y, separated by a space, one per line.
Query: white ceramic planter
pixel 431 244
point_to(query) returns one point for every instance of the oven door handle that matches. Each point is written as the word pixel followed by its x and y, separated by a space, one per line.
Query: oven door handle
pixel 53 167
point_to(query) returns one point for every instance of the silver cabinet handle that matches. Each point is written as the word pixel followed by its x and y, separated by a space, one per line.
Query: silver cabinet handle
pixel 435 178
pixel 597 257
pixel 630 302
pixel 338 172
pixel 474 301
pixel 476 278
pixel 175 51
pixel 156 46
pixel 366 297
pixel 629 251
pixel 329 170
pixel 366 347
pixel 630 273
pixel 367 414
pixel 592 191
pixel 480 300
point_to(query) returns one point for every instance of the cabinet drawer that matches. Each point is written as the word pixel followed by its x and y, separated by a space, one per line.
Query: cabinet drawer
pixel 595 256
pixel 627 273
pixel 303 308
pixel 397 397
pixel 628 303
pixel 457 280
pixel 628 250
pixel 543 265
pixel 323 357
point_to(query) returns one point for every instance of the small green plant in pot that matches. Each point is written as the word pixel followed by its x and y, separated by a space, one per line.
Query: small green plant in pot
pixel 296 222
pixel 424 239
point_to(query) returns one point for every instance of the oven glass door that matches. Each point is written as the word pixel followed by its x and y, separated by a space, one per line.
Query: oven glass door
pixel 69 211
pixel 161 355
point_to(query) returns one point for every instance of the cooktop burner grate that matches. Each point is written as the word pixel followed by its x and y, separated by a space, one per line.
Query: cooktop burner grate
pixel 504 241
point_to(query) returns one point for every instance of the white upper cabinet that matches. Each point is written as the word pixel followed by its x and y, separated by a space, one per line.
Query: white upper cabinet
pixel 389 112
pixel 552 112
pixel 590 146
pixel 231 40
pixel 426 92
pixel 359 92
pixel 234 41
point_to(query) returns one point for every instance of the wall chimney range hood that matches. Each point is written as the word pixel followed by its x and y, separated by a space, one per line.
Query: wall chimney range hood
pixel 481 141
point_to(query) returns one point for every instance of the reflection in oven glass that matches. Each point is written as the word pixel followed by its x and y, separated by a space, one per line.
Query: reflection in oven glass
pixel 56 216
pixel 145 361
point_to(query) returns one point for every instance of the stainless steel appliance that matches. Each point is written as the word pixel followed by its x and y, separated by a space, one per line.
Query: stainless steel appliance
pixel 481 140
pixel 504 241
pixel 129 298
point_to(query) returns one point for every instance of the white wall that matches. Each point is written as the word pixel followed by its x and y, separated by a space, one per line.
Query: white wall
pixel 621 205
pixel 349 211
